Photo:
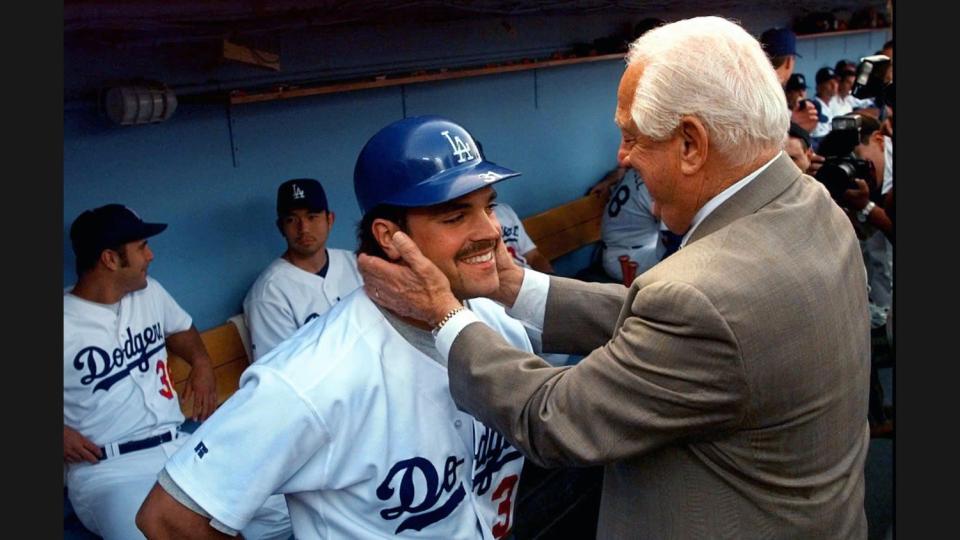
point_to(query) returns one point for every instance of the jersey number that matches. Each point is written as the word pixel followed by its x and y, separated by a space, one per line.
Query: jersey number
pixel 505 490
pixel 167 390
pixel 618 200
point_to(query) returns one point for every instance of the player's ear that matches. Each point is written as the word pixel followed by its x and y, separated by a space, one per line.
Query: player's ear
pixel 110 259
pixel 383 230
pixel 331 217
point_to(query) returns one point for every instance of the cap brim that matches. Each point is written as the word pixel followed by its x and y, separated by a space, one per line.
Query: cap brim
pixel 452 183
pixel 146 231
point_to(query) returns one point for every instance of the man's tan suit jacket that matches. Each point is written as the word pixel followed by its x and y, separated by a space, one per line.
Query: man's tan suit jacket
pixel 725 392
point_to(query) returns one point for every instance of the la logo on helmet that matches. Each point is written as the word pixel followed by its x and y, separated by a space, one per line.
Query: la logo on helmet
pixel 460 149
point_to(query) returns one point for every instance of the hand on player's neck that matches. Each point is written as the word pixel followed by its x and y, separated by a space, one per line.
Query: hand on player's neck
pixel 312 264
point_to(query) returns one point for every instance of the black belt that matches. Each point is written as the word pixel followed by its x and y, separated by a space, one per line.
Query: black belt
pixel 141 444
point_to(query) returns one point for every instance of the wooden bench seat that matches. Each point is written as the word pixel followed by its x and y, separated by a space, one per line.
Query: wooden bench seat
pixel 226 347
pixel 565 228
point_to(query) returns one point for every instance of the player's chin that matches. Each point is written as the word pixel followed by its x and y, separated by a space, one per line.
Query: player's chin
pixel 479 285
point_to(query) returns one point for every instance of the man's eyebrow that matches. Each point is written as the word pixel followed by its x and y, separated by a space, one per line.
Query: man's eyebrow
pixel 449 206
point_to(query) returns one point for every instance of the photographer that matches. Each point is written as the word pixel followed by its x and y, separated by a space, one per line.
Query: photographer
pixel 803 112
pixel 876 148
pixel 858 173
pixel 800 151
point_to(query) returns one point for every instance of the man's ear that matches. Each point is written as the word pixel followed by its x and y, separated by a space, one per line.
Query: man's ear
pixel 331 217
pixel 383 230
pixel 694 144
pixel 110 259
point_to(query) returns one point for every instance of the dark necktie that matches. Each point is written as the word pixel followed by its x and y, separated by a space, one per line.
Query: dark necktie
pixel 671 241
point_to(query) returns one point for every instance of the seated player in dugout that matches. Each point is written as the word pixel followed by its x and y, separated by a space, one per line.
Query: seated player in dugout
pixel 308 278
pixel 351 418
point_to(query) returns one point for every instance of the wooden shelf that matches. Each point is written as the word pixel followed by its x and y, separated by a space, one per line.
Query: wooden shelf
pixel 289 92
pixel 841 32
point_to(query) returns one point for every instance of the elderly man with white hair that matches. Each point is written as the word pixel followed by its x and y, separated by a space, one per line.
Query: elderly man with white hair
pixel 724 391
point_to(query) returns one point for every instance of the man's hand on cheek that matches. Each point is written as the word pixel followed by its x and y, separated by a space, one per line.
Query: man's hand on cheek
pixel 411 287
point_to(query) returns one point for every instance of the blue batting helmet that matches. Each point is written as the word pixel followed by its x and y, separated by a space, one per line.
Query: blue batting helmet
pixel 421 161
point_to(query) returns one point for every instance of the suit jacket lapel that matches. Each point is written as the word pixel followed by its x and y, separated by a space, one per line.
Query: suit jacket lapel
pixel 754 196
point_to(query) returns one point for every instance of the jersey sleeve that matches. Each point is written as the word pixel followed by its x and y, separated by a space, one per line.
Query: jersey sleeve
pixel 270 322
pixel 175 319
pixel 252 447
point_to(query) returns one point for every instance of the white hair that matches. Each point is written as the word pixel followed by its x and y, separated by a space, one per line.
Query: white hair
pixel 710 68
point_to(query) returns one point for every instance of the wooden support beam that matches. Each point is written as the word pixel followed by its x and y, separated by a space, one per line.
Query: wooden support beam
pixel 239 97
pixel 249 55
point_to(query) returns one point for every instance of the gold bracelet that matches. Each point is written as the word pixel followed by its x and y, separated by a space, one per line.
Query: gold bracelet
pixel 446 318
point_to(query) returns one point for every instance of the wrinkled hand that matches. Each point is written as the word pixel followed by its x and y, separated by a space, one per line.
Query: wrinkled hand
pixel 413 288
pixel 816 161
pixel 857 198
pixel 805 115
pixel 77 448
pixel 202 386
pixel 511 277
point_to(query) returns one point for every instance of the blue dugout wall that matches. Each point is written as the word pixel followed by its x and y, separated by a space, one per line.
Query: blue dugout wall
pixel 211 171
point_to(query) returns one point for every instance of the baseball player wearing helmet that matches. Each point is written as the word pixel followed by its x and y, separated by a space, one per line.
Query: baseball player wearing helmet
pixel 352 417
pixel 307 279
pixel 628 227
pixel 121 415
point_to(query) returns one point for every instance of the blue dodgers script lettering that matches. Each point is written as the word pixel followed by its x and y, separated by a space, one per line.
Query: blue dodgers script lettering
pixel 427 512
pixel 134 353
pixel 493 452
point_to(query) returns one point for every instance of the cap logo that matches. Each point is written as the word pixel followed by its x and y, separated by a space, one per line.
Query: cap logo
pixel 490 176
pixel 297 192
pixel 460 149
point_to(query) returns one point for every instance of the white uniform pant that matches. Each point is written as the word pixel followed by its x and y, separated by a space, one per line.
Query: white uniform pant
pixel 107 496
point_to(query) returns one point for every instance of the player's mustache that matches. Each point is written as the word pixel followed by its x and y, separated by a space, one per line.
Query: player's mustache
pixel 477 247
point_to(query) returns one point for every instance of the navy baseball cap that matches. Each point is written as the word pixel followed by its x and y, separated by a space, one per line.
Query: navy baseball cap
pixel 845 66
pixel 797 82
pixel 779 42
pixel 300 193
pixel 109 226
pixel 825 74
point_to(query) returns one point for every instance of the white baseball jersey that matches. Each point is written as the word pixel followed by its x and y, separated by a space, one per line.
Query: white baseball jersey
pixel 846 105
pixel 285 297
pixel 514 236
pixel 628 227
pixel 357 427
pixel 116 386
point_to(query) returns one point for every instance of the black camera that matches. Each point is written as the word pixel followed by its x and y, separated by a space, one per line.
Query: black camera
pixel 871 80
pixel 841 166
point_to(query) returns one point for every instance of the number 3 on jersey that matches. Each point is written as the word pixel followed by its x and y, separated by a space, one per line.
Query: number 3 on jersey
pixel 167 390
pixel 618 200
pixel 504 493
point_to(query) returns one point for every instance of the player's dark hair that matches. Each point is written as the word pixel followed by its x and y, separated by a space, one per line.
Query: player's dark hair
pixel 367 242
pixel 778 61
pixel 86 260
pixel 868 125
